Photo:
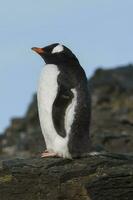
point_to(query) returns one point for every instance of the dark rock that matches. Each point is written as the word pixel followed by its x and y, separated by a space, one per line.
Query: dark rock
pixel 106 176
pixel 112 112
pixel 112 117
pixel 101 177
pixel 24 136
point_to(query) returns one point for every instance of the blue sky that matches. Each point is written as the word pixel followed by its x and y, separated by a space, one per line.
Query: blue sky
pixel 99 32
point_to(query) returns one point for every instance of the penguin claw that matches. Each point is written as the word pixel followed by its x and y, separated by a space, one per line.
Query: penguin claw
pixel 47 154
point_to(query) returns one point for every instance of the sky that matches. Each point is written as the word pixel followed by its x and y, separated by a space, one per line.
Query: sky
pixel 100 33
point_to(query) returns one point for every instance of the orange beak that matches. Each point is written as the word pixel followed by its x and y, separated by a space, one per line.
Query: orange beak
pixel 38 50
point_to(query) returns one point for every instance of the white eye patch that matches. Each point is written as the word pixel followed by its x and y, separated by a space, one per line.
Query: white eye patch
pixel 57 49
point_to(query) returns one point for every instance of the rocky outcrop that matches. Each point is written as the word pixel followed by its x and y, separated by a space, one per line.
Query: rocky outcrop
pixel 99 177
pixel 23 137
pixel 112 117
pixel 107 176
pixel 112 112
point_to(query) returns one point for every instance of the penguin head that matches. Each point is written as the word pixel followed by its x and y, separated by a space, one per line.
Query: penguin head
pixel 56 54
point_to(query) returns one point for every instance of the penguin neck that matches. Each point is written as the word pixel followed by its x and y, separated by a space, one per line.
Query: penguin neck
pixel 64 62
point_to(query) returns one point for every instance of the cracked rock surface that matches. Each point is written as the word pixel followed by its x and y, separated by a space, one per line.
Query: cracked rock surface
pixel 101 177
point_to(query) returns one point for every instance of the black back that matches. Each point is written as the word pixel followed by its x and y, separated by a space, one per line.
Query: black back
pixel 73 76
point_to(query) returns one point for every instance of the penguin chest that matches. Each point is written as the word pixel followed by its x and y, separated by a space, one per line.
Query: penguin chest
pixel 46 95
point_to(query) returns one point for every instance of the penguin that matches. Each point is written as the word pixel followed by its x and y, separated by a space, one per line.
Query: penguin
pixel 64 103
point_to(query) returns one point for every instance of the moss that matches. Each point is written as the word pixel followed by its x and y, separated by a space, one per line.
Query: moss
pixel 5 179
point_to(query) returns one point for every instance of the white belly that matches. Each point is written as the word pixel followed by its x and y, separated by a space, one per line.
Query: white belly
pixel 46 95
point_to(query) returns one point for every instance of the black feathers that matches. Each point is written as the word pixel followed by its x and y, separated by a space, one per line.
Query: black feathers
pixel 62 101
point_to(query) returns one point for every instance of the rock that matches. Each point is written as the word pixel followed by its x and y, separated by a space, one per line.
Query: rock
pixel 106 176
pixel 24 134
pixel 112 117
pixel 99 177
pixel 112 109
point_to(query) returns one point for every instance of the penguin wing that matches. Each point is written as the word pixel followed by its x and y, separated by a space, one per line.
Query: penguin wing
pixel 62 100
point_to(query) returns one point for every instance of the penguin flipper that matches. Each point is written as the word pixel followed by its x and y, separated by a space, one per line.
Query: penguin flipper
pixel 62 100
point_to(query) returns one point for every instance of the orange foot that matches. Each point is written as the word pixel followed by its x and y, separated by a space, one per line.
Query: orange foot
pixel 47 154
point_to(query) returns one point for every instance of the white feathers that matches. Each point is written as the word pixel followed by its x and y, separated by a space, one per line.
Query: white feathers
pixel 70 112
pixel 57 49
pixel 46 95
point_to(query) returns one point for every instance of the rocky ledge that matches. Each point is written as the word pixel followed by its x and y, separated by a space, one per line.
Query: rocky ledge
pixel 112 117
pixel 97 177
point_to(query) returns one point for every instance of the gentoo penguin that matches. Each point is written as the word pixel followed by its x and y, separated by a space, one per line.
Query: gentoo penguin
pixel 64 103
